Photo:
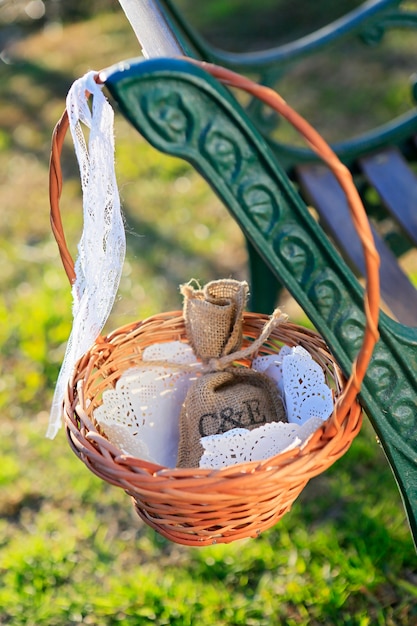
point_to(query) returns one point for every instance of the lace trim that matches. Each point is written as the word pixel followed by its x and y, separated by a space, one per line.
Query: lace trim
pixel 141 415
pixel 242 446
pixel 307 399
pixel 301 382
pixel 101 249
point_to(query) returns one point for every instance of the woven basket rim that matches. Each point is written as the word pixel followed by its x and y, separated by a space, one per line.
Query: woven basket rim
pixel 286 333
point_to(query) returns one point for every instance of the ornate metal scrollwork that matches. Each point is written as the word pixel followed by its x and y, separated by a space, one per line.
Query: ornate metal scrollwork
pixel 296 253
pixel 167 112
pixel 400 17
pixel 222 151
pixel 326 294
pixel 259 199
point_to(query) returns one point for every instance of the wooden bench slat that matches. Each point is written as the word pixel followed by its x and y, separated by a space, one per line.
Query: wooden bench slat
pixel 396 184
pixel 323 192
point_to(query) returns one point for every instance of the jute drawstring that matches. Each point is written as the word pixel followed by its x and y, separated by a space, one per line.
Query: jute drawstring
pixel 227 395
pixel 221 363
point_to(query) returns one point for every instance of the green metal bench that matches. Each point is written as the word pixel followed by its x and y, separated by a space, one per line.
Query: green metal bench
pixel 183 111
pixel 390 147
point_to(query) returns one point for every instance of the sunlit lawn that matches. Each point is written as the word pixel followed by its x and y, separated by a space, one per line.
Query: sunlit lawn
pixel 71 549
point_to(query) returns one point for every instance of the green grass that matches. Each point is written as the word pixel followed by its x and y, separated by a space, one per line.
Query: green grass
pixel 71 549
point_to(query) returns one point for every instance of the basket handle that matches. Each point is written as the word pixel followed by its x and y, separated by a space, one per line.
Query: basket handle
pixel 358 213
pixel 55 189
pixel 323 150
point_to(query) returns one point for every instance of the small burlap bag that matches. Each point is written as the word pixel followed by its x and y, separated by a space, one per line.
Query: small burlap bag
pixel 213 317
pixel 226 396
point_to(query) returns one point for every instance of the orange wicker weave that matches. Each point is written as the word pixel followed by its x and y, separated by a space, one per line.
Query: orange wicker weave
pixel 200 506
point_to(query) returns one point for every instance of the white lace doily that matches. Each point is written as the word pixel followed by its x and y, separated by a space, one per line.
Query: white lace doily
pixel 308 402
pixel 301 382
pixel 141 415
pixel 242 446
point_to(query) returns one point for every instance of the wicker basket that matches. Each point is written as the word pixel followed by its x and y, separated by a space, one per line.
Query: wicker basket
pixel 199 506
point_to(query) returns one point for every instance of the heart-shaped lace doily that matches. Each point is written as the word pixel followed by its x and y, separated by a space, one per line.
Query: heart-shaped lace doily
pixel 140 415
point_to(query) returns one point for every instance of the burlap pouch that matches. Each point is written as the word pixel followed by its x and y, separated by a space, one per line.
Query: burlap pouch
pixel 213 317
pixel 226 396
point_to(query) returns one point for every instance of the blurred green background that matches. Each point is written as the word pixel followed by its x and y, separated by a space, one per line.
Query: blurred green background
pixel 71 549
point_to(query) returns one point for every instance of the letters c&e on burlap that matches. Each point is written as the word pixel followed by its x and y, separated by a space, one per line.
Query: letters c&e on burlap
pixel 226 395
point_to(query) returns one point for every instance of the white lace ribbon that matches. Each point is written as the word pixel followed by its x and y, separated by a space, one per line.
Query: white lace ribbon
pixel 101 249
